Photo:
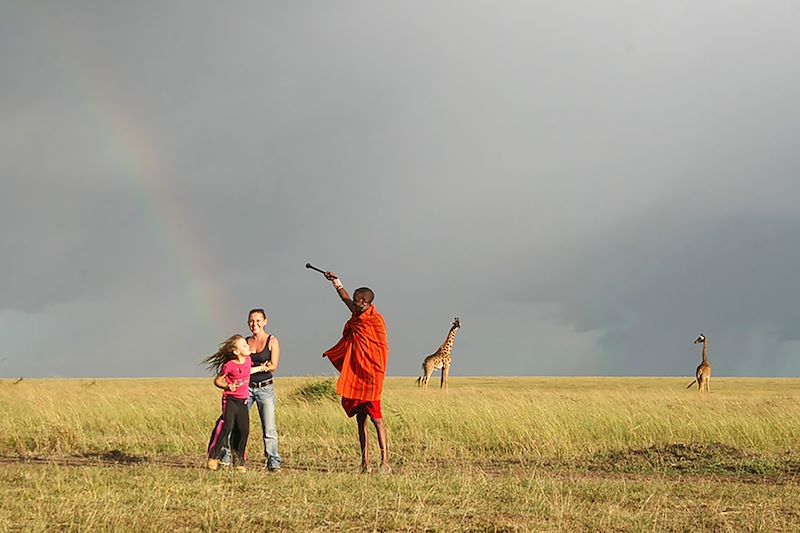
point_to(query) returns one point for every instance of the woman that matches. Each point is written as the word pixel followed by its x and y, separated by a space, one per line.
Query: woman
pixel 265 351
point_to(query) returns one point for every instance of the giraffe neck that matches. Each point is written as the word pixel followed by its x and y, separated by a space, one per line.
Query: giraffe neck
pixel 445 348
pixel 705 351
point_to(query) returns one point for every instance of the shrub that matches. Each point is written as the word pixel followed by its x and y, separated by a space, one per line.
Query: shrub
pixel 317 391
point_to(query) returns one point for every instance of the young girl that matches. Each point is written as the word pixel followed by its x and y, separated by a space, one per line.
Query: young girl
pixel 233 367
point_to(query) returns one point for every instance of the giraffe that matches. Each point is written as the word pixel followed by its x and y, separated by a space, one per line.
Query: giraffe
pixel 703 371
pixel 440 359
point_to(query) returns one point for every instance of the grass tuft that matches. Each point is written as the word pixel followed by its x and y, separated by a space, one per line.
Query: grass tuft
pixel 319 390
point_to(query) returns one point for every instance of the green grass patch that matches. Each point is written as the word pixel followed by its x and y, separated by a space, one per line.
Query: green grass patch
pixel 317 390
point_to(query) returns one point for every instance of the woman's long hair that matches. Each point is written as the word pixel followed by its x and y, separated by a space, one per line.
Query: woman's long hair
pixel 223 355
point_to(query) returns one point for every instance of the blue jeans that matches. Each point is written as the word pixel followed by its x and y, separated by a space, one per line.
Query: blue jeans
pixel 265 399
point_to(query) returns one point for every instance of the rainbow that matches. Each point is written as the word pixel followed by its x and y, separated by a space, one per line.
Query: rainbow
pixel 130 147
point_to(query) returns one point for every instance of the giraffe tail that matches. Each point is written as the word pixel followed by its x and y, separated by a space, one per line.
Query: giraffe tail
pixel 692 383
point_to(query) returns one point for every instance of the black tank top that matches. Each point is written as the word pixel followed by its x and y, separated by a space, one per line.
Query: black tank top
pixel 264 356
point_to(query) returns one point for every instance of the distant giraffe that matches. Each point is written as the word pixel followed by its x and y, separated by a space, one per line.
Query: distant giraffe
pixel 440 359
pixel 703 371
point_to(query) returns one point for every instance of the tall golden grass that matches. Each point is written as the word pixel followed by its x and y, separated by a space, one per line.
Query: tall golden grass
pixel 560 454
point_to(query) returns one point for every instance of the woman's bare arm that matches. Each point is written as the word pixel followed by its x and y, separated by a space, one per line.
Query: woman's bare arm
pixel 275 354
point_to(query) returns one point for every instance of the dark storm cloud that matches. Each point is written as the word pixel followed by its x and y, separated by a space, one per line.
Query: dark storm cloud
pixel 585 186
pixel 652 288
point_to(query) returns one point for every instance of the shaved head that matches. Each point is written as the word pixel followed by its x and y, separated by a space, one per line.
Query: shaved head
pixel 366 291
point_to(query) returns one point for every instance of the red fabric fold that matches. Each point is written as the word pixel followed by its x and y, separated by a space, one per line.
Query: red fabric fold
pixel 361 356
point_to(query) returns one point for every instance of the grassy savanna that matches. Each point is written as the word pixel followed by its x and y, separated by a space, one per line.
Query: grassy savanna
pixel 508 454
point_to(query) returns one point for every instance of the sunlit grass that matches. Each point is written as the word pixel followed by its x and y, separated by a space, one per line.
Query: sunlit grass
pixel 520 418
pixel 507 454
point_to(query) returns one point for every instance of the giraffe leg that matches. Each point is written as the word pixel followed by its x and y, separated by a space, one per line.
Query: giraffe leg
pixel 428 372
pixel 445 376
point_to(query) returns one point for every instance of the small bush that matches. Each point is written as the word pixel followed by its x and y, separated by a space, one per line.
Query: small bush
pixel 317 391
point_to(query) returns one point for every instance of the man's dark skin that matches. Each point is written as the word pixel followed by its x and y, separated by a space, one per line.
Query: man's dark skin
pixel 361 301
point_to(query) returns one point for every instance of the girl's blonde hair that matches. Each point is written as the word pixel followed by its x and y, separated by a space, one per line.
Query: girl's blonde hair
pixel 223 355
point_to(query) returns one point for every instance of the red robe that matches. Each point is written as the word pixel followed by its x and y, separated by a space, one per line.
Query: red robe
pixel 361 356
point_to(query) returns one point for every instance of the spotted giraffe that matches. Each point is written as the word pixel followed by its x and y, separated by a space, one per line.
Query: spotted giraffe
pixel 440 359
pixel 703 372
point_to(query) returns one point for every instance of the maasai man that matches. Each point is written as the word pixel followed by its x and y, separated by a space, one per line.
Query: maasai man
pixel 361 356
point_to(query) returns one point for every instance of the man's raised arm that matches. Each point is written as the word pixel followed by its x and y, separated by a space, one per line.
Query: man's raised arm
pixel 340 290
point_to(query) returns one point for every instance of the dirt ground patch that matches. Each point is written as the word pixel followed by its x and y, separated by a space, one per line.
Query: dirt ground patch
pixel 703 458
pixel 672 463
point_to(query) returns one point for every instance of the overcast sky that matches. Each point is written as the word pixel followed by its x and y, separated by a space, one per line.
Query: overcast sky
pixel 586 185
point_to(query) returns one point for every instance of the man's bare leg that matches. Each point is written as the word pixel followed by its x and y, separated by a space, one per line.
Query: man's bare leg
pixel 363 440
pixel 380 429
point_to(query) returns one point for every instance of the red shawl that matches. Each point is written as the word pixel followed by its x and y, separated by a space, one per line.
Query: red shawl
pixel 361 356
